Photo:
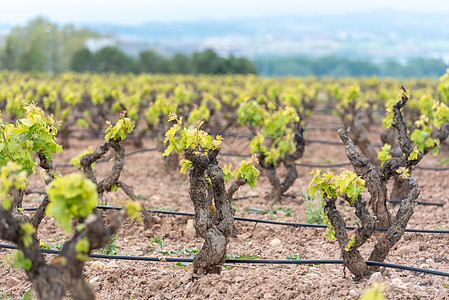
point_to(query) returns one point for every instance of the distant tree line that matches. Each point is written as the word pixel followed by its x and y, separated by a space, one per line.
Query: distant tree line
pixel 339 67
pixel 112 59
pixel 41 46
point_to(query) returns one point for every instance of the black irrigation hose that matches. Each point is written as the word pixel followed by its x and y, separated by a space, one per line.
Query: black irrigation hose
pixel 432 168
pixel 251 261
pixel 294 224
pixel 417 202
pixel 323 166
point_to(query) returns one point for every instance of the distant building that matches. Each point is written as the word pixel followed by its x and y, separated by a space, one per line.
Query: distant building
pixel 95 44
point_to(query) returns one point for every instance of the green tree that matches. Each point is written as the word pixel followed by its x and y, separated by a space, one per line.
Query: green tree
pixel 151 62
pixel 181 64
pixel 41 46
pixel 208 62
pixel 82 60
pixel 240 65
pixel 112 59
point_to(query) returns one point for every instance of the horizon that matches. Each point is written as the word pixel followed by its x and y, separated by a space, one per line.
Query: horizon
pixel 138 12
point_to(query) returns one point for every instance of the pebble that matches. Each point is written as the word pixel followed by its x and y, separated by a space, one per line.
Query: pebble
pixel 275 242
pixel 398 283
pixel 111 266
pixel 407 250
pixel 425 266
pixel 189 227
pixel 12 282
pixel 98 266
pixel 94 279
pixel 375 277
pixel 155 285
pixel 244 236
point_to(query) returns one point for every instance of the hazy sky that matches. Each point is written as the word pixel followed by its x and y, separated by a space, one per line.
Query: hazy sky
pixel 140 11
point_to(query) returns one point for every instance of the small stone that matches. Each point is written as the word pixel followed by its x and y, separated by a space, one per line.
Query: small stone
pixel 375 277
pixel 111 266
pixel 407 250
pixel 396 282
pixel 98 266
pixel 353 293
pixel 424 266
pixel 429 261
pixel 268 296
pixel 12 282
pixel 155 285
pixel 239 279
pixel 189 227
pixel 244 236
pixel 94 279
pixel 313 276
pixel 275 242
pixel 167 295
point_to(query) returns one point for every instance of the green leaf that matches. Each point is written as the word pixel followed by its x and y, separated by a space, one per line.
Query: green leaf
pixel 27 230
pixel 71 196
pixel 82 248
pixel 350 243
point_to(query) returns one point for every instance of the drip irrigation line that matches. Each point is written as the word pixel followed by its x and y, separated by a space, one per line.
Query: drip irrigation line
pixel 432 168
pixel 294 224
pixel 418 202
pixel 235 154
pixel 250 261
pixel 323 166
pixel 245 197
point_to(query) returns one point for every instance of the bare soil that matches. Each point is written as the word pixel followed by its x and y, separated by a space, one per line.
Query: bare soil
pixel 160 188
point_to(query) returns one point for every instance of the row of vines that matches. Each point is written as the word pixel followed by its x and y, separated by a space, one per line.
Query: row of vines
pixel 189 117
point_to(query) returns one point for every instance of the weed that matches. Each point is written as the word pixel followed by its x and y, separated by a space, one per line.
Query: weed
pixel 110 248
pixel 141 197
pixel 45 245
pixel 271 212
pixel 313 213
pixel 159 241
pixel 443 161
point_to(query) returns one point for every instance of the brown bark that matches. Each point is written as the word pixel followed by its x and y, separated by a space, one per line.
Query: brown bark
pixel 399 224
pixel 50 171
pixel 214 216
pixel 373 177
pixel 376 178
pixel 112 179
pixel 65 272
pixel 352 259
pixel 278 186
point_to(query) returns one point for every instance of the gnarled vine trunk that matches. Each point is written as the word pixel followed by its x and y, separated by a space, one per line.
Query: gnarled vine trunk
pixel 278 186
pixel 214 216
pixel 376 178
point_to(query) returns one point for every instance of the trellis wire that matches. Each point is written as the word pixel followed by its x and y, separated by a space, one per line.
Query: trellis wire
pixel 309 165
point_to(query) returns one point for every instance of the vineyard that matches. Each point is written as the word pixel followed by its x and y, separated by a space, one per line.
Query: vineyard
pixel 223 187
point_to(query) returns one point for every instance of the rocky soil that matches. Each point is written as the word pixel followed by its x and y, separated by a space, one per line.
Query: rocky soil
pixel 163 189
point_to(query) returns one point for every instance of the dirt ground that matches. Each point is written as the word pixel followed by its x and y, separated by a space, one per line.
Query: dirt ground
pixel 162 189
